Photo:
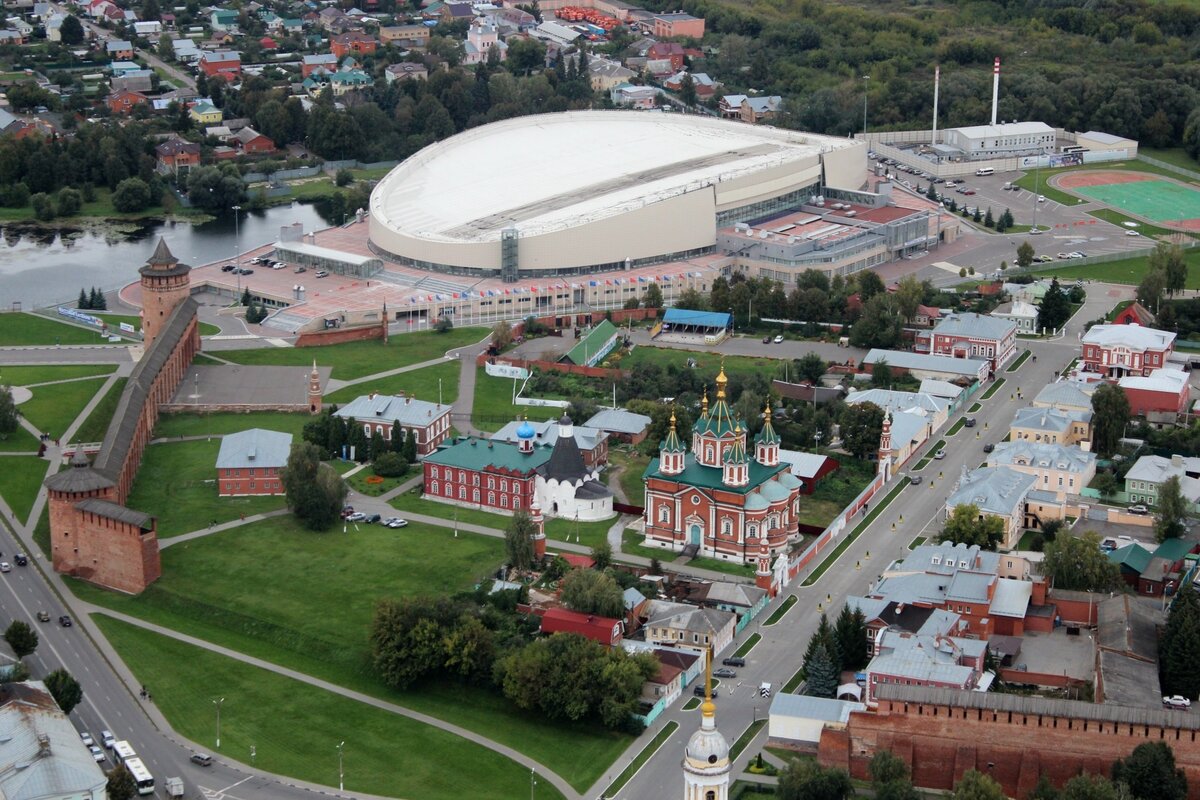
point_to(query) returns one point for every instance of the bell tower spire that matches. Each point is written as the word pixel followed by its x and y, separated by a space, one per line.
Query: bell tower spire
pixel 706 760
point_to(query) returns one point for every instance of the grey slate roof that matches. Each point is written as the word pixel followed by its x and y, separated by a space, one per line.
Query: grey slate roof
pixel 1128 626
pixel 977 326
pixel 900 401
pixel 1041 454
pixel 902 359
pixel 546 433
pixel 734 594
pixel 1135 337
pixel 103 508
pixel 1065 394
pixel 254 448
pixel 806 707
pixel 388 408
pixel 1052 420
pixel 696 620
pixel 27 712
pixel 994 490
pixel 78 478
pixel 618 420
pixel 566 462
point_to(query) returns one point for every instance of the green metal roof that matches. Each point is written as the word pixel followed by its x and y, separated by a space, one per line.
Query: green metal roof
pixel 737 453
pixel 767 435
pixel 1133 556
pixel 700 476
pixel 673 444
pixel 480 454
pixel 593 342
pixel 718 421
pixel 1174 549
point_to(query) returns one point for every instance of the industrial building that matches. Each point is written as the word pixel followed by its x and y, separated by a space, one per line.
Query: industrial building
pixel 596 191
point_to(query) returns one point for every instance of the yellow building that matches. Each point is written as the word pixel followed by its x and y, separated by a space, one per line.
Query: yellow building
pixel 206 114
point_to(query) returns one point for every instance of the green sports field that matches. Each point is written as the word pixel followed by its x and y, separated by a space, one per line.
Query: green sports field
pixel 1162 201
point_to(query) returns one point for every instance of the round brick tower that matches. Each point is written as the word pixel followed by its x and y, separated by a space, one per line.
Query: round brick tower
pixel 165 284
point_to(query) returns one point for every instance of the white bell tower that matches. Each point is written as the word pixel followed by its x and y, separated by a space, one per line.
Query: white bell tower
pixel 706 761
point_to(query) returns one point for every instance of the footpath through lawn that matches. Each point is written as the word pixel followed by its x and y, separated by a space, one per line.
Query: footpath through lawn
pixel 306 600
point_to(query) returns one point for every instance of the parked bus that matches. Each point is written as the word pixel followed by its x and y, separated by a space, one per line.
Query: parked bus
pixel 141 775
pixel 985 171
pixel 123 751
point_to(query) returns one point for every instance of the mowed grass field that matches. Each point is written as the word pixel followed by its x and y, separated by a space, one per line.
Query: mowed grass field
pixel 53 408
pixel 305 600
pixel 174 425
pixel 705 361
pixel 19 329
pixel 96 424
pixel 1128 270
pixel 358 359
pixel 44 373
pixel 493 407
pixel 420 383
pixel 20 481
pixel 385 753
pixel 177 484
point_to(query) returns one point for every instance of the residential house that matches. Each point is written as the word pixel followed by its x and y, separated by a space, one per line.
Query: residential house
pixel 621 425
pixel 1131 560
pixel 935 408
pixel 695 628
pixel 943 661
pixel 482 40
pixel 355 42
pixel 705 86
pixel 267 44
pixel 1023 314
pixel 678 23
pixel 627 95
pixel 148 28
pixel 664 58
pixel 345 81
pixel 43 755
pixel 119 50
pixel 11 37
pixel 1058 468
pixel 429 422
pixel 952 393
pixel 1066 395
pixel 760 109
pixel 605 74
pixel 223 20
pixel 185 50
pixel 1144 480
pixel 741 599
pixel 205 113
pixel 1134 314
pixel 927 316
pixel 1052 425
pixel 602 630
pixel 331 16
pixel 996 492
pixel 54 27
pixel 907 432
pixel 636 605
pixel 292 25
pixel 141 80
pixel 407 36
pixel 224 63
pixel 1031 293
pixel 511 20
pixel 325 61
pixel 970 335
pixel 1154 572
pixel 1161 396
pixel 177 157
pixel 592 442
pixel 250 461
pixel 1115 351
pixel 405 70
pixel 124 101
pixel 454 11
pixel 251 142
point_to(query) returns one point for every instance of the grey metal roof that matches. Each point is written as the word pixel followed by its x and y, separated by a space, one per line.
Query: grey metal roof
pixel 734 594
pixel 805 707
pixel 941 388
pixel 969 587
pixel 104 508
pixel 1156 469
pixel 586 437
pixel 121 431
pixel 407 410
pixel 618 420
pixel 78 478
pixel 41 754
pixel 632 598
pixel 947 557
pixel 1041 454
pixel 697 620
pixel 995 490
pixel 1011 598
pixel 1126 625
pixel 1052 420
pixel 254 448
pixel 908 427
pixel 1038 706
pixel 1135 337
pixel 901 359
pixel 900 401
pixel 977 326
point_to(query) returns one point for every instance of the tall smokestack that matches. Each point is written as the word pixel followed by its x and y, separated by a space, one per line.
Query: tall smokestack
pixel 937 79
pixel 995 88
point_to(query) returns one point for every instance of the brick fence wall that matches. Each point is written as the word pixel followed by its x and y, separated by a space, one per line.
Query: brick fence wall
pixel 340 336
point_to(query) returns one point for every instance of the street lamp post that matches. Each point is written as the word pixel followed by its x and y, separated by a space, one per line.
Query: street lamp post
pixel 218 703
pixel 341 772
pixel 532 782
pixel 237 243
pixel 817 440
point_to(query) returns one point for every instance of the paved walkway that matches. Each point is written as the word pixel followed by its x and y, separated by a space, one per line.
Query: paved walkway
pixel 333 385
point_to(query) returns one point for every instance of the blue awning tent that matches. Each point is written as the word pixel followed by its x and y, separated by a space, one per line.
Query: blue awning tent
pixel 678 318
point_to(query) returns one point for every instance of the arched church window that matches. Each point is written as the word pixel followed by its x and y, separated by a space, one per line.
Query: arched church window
pixel 664 513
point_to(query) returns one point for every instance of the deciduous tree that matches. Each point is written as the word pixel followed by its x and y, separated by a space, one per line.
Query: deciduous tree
pixel 22 638
pixel 809 367
pixel 121 785
pixel 1077 563
pixel 590 592
pixel 518 541
pixel 861 425
pixel 804 779
pixel 9 420
pixel 315 492
pixel 1150 773
pixel 966 525
pixel 1110 416
pixel 974 785
pixel 65 690
pixel 1172 510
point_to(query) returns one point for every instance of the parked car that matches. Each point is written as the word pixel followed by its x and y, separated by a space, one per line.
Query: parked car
pixel 97 754
pixel 700 690
pixel 356 516
pixel 21 560
pixel 373 519
pixel 65 620
pixel 1138 509
pixel 1177 701
pixel 203 759
pixel 395 522
pixel 107 738
pixel 989 447
pixel 767 339
pixel 1132 233
pixel 969 422
pixel 724 672
pixel 300 269
pixel 228 268
pixel 43 616
pixel 1063 255
pixel 1041 198
pixel 969 191
pixel 915 480
pixel 940 454
pixel 322 273
pixel 86 738
pixel 1042 259
pixel 734 661
pixel 779 339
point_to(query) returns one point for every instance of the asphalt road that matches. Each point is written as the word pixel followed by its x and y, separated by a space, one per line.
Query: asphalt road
pixel 917 511
pixel 103 36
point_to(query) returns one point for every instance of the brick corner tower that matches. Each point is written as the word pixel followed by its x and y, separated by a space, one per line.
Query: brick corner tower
pixel 165 284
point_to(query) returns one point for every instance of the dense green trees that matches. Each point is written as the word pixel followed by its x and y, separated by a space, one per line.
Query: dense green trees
pixel 22 638
pixel 518 541
pixel 1078 563
pixel 1055 309
pixel 121 785
pixel 1151 774
pixel 861 425
pixel 216 189
pixel 966 525
pixel 315 492
pixel 1172 510
pixel 804 779
pixel 590 591
pixel 1179 646
pixel 9 418
pixel 65 690
pixel 1110 416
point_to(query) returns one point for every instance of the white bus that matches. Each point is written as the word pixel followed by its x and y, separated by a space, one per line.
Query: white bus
pixel 985 171
pixel 123 751
pixel 141 775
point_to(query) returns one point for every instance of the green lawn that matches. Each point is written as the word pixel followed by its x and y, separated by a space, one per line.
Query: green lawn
pixel 705 361
pixel 642 757
pixel 171 425
pixel 177 484
pixel 631 543
pixel 917 542
pixel 19 441
pixel 1016 365
pixel 358 359
pixel 1128 270
pixel 1026 181
pixel 420 383
pixel 995 387
pixel 359 482
pixel 41 532
pixel 719 565
pixel 632 464
pixel 748 645
pixel 385 753
pixel 778 613
pixel 747 736
pixel 1117 218
pixel 53 408
pixel 848 540
pixel 20 480
pixel 1172 155
pixel 96 424
pixel 25 376
pixel 100 207
pixel 957 426
pixel 494 408
pixel 19 329
pixel 974 407
pixel 835 492
pixel 310 612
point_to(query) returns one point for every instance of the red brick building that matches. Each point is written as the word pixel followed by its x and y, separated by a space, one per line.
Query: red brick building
pixel 251 142
pixel 177 157
pixel 970 335
pixel 353 43
pixel 603 630
pixel 429 422
pixel 1162 392
pixel 225 63
pixel 678 23
pixel 1119 350
pixel 666 51
pixel 250 461
pixel 124 101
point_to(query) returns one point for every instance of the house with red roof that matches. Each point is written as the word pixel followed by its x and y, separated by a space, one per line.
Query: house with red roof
pixel 124 101
pixel 225 63
pixel 1134 314
pixel 352 43
pixel 602 630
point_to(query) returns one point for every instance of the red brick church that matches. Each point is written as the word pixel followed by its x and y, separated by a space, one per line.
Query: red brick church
pixel 719 498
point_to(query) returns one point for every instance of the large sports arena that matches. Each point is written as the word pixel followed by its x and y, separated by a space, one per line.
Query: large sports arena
pixel 592 191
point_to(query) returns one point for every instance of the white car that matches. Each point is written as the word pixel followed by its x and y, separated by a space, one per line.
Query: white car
pixel 1041 198
pixel 5 566
pixel 940 454
pixel 357 516
pixel 1132 233
pixel 87 738
pixel 395 522
pixel 779 339
pixel 107 738
pixel 97 754
pixel 1177 701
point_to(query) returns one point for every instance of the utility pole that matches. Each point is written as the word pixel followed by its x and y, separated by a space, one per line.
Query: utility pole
pixel 341 772
pixel 218 703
